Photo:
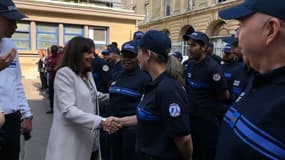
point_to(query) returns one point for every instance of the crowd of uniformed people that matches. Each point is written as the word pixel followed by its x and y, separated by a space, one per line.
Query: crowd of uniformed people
pixel 148 104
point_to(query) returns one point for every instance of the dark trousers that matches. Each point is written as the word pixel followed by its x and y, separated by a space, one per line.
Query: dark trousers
pixel 11 129
pixel 143 156
pixel 51 92
pixel 204 132
pixel 43 80
pixel 123 144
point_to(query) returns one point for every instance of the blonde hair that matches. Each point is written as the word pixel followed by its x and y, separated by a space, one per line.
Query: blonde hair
pixel 175 69
pixel 173 66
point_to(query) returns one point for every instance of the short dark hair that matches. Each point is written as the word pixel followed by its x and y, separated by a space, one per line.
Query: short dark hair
pixel 73 52
pixel 53 50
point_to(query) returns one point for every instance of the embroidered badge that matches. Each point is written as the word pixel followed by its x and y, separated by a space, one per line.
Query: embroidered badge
pixel 113 83
pixel 174 110
pixel 105 68
pixel 217 77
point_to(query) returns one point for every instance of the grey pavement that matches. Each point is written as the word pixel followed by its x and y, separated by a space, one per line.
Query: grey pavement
pixel 35 148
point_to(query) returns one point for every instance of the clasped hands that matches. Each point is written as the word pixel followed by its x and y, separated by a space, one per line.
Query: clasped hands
pixel 7 59
pixel 112 124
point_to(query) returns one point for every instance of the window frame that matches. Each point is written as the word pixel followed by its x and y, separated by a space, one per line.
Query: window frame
pixel 46 32
pixel 28 31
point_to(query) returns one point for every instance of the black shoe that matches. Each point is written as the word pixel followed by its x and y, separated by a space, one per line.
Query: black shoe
pixel 49 112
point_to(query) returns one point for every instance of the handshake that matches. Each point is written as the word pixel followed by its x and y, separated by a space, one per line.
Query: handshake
pixel 112 124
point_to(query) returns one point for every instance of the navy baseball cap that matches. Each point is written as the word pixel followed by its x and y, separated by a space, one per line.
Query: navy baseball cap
pixel 105 52
pixel 130 46
pixel 273 8
pixel 156 41
pixel 9 11
pixel 113 50
pixel 199 36
pixel 231 39
pixel 138 35
pixel 177 54
pixel 227 49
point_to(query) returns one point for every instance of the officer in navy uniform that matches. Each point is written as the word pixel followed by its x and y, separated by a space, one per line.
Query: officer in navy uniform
pixel 125 94
pixel 253 128
pixel 210 53
pixel 228 65
pixel 101 73
pixel 102 76
pixel 115 61
pixel 207 91
pixel 163 114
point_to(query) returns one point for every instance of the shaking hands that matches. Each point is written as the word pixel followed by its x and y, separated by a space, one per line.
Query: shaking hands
pixel 112 124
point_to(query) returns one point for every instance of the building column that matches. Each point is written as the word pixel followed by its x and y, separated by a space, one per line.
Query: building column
pixel 60 35
pixel 86 31
pixel 33 35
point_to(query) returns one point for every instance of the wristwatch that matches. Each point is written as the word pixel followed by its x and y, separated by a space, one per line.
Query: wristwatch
pixel 101 123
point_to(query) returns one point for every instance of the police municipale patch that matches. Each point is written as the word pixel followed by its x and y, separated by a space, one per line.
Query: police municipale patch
pixel 174 110
pixel 217 77
pixel 105 68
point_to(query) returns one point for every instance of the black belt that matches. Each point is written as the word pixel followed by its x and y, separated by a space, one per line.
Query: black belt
pixel 12 115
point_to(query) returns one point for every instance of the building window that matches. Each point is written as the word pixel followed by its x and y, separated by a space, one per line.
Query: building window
pixel 72 31
pixel 22 36
pixel 99 35
pixel 167 7
pixel 146 12
pixel 220 1
pixel 47 35
pixel 203 3
pixel 177 7
pixel 191 4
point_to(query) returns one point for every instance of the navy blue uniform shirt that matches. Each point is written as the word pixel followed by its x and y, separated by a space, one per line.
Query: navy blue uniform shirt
pixel 253 128
pixel 205 81
pixel 217 58
pixel 126 92
pixel 116 68
pixel 232 72
pixel 241 74
pixel 162 115
pixel 101 73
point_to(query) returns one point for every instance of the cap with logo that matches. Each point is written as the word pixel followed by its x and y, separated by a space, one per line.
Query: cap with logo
pixel 138 35
pixel 156 41
pixel 273 8
pixel 227 49
pixel 199 36
pixel 9 11
pixel 130 47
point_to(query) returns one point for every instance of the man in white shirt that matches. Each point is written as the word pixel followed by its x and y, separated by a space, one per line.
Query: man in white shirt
pixel 13 102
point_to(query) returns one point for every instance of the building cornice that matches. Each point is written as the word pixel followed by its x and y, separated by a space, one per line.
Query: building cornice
pixel 78 10
pixel 191 13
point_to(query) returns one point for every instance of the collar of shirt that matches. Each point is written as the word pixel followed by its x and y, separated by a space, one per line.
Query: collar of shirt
pixel 276 76
pixel 155 82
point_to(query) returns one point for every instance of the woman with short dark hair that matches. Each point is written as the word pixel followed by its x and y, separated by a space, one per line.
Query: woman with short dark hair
pixel 76 105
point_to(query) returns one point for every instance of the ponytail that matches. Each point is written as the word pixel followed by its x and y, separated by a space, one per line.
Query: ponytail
pixel 175 69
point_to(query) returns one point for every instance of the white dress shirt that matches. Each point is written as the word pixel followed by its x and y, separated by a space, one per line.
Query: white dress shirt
pixel 12 95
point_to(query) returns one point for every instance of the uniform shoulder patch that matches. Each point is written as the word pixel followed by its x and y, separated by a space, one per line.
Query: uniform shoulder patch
pixel 217 77
pixel 105 68
pixel 174 110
